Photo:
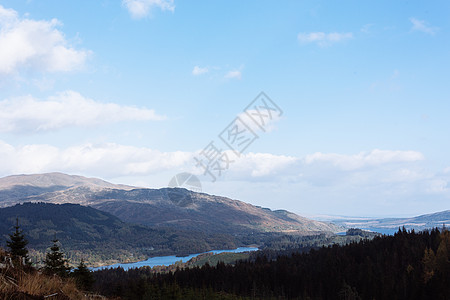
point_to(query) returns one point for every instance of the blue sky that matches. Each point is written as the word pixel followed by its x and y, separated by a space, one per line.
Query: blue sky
pixel 131 91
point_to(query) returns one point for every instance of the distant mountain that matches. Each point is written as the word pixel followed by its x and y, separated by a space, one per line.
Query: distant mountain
pixel 13 189
pixel 390 225
pixel 158 208
pixel 56 179
pixel 92 234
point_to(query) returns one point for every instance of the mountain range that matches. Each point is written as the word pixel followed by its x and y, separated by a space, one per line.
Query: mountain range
pixel 391 225
pixel 99 221
pixel 104 223
pixel 166 207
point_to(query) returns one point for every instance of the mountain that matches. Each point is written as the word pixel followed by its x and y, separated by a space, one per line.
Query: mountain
pixel 391 225
pixel 97 236
pixel 13 189
pixel 62 180
pixel 159 208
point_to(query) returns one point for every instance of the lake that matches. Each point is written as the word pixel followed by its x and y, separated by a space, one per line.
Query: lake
pixel 169 260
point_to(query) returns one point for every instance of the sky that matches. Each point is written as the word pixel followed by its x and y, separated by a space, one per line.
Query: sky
pixel 353 119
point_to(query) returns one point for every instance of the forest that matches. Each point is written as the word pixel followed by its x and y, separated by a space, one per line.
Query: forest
pixel 100 238
pixel 407 265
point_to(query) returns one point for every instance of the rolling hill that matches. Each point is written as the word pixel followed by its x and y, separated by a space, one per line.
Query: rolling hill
pixel 391 225
pixel 158 208
pixel 88 233
pixel 15 188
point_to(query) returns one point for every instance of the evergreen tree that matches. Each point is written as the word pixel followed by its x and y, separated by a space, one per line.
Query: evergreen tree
pixel 429 264
pixel 55 263
pixel 83 277
pixel 17 244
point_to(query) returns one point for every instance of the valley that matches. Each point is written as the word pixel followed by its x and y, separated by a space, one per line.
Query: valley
pixel 104 223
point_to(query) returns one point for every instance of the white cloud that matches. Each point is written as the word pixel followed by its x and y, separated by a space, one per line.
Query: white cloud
pixel 377 167
pixel 438 186
pixel 236 74
pixel 199 71
pixel 324 39
pixel 39 45
pixel 115 160
pixel 141 8
pixel 364 159
pixel 104 160
pixel 420 25
pixel 262 164
pixel 44 84
pixel 69 108
pixel 389 169
pixel 232 74
pixel 386 171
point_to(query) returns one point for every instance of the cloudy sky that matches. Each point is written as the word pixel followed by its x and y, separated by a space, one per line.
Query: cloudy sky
pixel 137 91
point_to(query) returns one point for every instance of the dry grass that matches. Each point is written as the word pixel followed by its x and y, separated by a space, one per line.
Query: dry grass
pixel 35 285
pixel 41 285
pixel 24 282
pixel 6 287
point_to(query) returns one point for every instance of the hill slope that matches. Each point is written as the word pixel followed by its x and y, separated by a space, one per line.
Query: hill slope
pixel 178 208
pixel 48 180
pixel 391 225
pixel 85 232
pixel 13 189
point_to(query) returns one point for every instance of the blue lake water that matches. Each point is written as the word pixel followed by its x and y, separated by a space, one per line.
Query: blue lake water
pixel 169 260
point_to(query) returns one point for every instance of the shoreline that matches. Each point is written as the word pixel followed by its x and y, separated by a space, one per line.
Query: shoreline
pixel 170 259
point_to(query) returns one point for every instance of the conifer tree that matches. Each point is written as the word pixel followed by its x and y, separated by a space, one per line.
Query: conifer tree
pixel 83 277
pixel 17 244
pixel 55 263
pixel 429 264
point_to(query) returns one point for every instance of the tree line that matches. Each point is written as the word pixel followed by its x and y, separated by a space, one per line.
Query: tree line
pixel 408 265
pixel 55 262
